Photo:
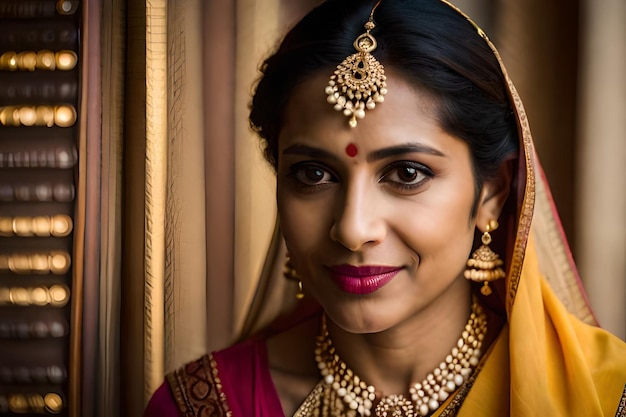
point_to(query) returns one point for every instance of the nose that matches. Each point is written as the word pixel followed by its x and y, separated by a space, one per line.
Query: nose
pixel 359 220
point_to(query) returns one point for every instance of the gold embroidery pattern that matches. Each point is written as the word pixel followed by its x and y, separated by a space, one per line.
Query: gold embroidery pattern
pixel 198 390
pixel 526 215
pixel 621 407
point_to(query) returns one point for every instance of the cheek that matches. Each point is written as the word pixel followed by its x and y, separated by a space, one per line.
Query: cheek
pixel 303 223
pixel 439 227
pixel 442 237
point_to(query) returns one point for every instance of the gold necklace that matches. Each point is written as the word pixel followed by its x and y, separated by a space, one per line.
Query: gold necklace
pixel 341 392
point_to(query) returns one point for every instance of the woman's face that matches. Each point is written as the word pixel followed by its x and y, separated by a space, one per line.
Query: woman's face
pixel 378 236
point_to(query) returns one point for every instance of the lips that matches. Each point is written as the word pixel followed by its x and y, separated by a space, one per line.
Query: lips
pixel 361 280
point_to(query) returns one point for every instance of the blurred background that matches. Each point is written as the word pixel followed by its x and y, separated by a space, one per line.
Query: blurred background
pixel 180 204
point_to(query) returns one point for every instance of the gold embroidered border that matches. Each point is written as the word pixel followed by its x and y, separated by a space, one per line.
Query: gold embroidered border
pixel 621 407
pixel 197 389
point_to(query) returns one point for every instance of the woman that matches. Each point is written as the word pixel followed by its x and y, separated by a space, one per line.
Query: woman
pixel 401 149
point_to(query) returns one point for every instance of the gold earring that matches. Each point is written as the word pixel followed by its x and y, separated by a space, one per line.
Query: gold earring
pixel 300 293
pixel 484 265
pixel 290 273
pixel 359 82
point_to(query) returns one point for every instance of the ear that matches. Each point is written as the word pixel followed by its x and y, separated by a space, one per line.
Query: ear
pixel 493 195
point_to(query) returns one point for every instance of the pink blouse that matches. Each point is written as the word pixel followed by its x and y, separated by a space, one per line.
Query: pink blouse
pixel 246 384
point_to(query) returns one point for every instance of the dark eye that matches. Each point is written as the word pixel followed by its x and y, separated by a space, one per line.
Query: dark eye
pixel 309 174
pixel 406 174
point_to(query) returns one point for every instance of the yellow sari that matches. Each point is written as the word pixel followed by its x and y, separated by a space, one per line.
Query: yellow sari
pixel 550 358
pixel 554 362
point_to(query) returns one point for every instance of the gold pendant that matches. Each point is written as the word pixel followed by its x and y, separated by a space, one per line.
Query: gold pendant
pixel 395 406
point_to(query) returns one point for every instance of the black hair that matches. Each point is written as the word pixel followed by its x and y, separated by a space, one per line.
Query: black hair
pixel 429 43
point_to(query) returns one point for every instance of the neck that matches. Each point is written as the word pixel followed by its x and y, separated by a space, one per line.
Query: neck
pixel 394 359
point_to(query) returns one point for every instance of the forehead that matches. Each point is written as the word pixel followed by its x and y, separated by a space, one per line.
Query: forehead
pixel 406 110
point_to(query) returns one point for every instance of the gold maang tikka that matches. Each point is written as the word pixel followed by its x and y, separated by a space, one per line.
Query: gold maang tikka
pixel 359 82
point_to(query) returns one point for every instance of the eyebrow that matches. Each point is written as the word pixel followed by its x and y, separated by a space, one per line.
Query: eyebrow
pixel 313 152
pixel 310 151
pixel 402 149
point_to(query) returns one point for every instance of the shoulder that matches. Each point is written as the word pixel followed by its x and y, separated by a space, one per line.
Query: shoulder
pixel 603 351
pixel 235 380
pixel 162 403
pixel 201 387
pixel 189 391
pixel 605 358
pixel 196 388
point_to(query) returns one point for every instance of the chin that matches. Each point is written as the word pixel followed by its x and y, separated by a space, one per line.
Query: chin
pixel 360 320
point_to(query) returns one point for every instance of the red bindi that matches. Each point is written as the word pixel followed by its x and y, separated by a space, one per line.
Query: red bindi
pixel 351 150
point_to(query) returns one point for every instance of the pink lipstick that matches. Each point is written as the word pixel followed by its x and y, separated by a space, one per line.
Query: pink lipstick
pixel 361 280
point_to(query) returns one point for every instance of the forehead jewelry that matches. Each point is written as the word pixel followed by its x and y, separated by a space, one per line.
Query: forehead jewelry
pixel 358 83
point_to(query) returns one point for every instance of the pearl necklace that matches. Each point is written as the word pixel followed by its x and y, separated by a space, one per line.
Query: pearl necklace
pixel 342 393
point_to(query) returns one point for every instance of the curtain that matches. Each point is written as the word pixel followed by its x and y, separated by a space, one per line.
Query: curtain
pixel 199 201
pixel 601 161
